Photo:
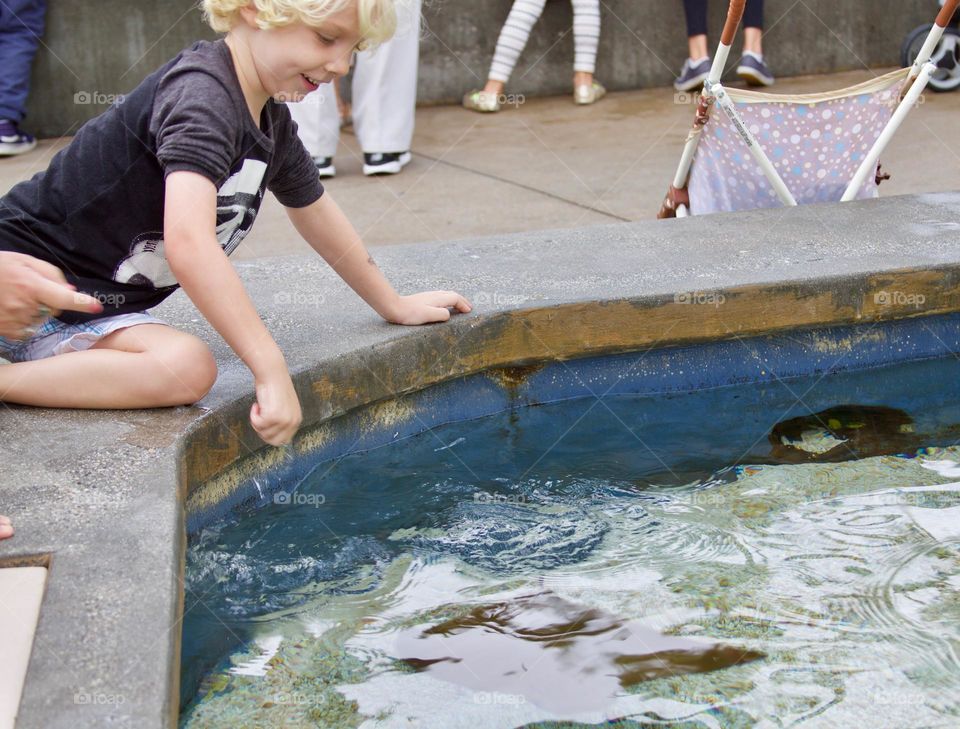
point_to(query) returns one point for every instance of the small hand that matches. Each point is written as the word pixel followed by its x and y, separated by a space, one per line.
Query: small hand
pixel 429 306
pixel 276 414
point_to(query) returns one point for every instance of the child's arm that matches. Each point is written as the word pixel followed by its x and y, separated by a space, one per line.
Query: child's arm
pixel 205 273
pixel 324 226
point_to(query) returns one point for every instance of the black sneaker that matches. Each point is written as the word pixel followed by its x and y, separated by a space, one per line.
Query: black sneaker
pixel 325 166
pixel 385 163
pixel 12 140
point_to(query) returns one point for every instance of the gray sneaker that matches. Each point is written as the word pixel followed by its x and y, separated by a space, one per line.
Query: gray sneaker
pixel 754 71
pixel 692 76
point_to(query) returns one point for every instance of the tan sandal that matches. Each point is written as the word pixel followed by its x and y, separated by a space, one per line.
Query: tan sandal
pixel 588 93
pixel 482 101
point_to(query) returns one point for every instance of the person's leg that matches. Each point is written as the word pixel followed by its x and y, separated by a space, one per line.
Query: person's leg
pixel 753 27
pixel 318 125
pixel 513 39
pixel 696 15
pixel 21 26
pixel 385 95
pixel 697 66
pixel 586 40
pixel 697 48
pixel 142 366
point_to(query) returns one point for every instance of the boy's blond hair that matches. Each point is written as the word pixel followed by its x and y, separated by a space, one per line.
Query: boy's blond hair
pixel 378 18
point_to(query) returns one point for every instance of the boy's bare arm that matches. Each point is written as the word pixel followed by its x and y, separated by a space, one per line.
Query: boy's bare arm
pixel 208 278
pixel 324 226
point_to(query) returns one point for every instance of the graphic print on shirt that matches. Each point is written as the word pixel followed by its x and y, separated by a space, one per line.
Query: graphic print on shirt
pixel 238 201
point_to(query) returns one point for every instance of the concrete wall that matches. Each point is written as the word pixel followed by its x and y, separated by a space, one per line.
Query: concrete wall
pixel 94 50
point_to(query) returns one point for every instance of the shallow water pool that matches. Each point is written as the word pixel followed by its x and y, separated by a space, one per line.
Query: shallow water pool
pixel 814 522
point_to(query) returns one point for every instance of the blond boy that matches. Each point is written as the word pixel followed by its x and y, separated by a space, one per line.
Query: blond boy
pixel 157 191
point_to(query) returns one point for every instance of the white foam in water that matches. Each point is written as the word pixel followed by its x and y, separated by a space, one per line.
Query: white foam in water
pixel 891 497
pixel 950 469
pixel 941 524
pixel 316 628
pixel 416 700
pixel 258 666
pixel 458 441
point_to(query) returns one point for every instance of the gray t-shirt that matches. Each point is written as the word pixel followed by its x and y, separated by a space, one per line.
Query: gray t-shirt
pixel 97 211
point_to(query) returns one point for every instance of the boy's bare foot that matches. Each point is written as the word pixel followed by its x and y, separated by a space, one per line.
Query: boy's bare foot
pixel 6 528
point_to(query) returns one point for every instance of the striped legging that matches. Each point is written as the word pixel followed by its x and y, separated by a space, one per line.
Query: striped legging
pixel 516 31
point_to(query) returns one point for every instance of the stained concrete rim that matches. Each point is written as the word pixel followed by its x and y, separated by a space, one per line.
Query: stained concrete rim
pixel 869 241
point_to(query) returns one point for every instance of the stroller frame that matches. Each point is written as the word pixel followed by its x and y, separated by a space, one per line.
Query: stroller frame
pixel 677 201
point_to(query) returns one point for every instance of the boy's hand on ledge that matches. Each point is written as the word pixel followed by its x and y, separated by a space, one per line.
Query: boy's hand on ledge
pixel 276 414
pixel 428 307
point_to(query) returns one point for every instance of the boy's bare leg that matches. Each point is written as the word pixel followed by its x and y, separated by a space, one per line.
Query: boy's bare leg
pixel 143 366
pixel 6 528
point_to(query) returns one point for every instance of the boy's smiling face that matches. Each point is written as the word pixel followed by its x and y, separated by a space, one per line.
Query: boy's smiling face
pixel 291 61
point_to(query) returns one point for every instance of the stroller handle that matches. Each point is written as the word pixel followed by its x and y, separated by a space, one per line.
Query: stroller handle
pixel 735 15
pixel 946 13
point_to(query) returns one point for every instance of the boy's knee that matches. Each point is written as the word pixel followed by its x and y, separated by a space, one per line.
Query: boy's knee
pixel 200 371
pixel 190 371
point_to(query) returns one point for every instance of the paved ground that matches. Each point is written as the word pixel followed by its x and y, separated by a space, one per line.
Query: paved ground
pixel 550 164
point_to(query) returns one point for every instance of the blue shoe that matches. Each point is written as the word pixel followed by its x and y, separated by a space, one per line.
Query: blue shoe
pixel 754 71
pixel 12 140
pixel 692 75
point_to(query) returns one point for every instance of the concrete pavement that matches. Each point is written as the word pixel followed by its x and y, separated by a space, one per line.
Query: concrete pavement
pixel 550 164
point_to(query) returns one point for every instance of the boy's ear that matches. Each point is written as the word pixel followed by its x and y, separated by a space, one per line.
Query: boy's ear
pixel 249 15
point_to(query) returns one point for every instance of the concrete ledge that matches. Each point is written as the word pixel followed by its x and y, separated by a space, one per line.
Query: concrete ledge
pixel 105 509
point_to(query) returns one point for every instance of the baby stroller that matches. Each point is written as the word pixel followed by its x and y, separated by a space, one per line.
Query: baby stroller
pixel 770 150
pixel 945 56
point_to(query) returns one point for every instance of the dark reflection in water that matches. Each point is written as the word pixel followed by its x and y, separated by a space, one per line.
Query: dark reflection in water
pixel 559 655
pixel 854 432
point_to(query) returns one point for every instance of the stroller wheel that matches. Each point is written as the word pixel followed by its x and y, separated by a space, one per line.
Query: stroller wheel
pixel 946 56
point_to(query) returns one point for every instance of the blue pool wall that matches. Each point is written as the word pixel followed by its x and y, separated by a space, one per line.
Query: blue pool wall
pixel 655 371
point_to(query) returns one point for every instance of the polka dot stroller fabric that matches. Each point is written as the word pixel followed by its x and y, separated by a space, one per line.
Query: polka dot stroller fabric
pixel 816 142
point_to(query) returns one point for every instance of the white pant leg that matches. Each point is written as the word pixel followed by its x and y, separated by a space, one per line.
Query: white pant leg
pixel 318 121
pixel 385 87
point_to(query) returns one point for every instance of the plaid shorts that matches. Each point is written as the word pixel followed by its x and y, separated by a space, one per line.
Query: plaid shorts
pixel 53 337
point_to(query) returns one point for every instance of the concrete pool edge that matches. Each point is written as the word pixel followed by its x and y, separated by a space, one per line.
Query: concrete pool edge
pixel 109 623
pixel 534 336
pixel 767 360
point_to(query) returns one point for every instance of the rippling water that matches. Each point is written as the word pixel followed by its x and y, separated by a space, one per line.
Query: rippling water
pixel 676 512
